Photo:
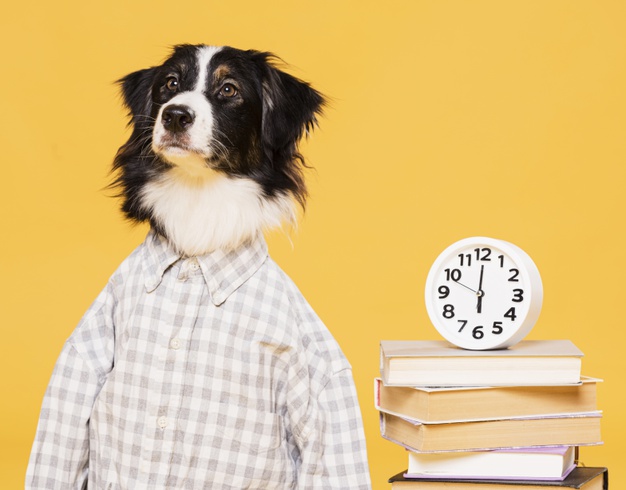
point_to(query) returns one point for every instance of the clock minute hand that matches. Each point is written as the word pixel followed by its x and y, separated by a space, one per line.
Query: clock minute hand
pixel 466 287
pixel 480 293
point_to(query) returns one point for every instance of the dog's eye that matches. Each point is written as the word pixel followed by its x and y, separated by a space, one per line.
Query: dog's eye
pixel 228 90
pixel 171 84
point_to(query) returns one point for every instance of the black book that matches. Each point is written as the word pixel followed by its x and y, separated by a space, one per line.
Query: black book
pixel 582 477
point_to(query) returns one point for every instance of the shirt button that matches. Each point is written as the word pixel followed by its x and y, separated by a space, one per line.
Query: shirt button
pixel 193 263
pixel 162 422
pixel 175 344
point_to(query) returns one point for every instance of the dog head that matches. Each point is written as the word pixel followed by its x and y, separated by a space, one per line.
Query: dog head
pixel 214 112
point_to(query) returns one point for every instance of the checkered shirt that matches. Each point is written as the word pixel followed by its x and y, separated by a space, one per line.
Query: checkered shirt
pixel 196 373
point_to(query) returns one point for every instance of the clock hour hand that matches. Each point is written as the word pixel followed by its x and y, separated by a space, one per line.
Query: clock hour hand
pixel 480 293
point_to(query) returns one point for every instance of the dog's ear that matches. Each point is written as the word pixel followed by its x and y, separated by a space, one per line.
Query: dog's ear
pixel 290 107
pixel 136 91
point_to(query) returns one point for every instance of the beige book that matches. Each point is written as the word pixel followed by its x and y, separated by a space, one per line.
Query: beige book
pixel 579 430
pixel 436 405
pixel 439 363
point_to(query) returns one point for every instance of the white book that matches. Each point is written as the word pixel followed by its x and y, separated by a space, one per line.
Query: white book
pixel 546 463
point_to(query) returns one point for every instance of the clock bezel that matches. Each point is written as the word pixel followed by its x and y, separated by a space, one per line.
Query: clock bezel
pixel 533 292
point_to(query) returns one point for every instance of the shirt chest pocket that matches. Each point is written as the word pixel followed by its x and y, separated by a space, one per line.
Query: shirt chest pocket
pixel 248 445
pixel 243 429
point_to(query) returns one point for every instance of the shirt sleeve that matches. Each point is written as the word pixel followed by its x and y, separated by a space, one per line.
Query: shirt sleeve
pixel 60 454
pixel 333 453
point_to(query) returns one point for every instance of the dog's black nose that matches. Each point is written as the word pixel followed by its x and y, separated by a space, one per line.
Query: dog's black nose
pixel 177 118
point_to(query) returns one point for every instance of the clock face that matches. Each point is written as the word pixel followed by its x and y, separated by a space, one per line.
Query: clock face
pixel 483 293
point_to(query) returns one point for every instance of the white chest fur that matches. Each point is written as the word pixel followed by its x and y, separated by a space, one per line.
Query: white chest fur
pixel 202 213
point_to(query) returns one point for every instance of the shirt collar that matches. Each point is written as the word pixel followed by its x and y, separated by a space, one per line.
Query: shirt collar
pixel 224 272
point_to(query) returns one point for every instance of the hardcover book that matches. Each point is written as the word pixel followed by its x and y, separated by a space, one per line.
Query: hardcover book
pixel 543 463
pixel 439 363
pixel 578 430
pixel 437 405
pixel 582 478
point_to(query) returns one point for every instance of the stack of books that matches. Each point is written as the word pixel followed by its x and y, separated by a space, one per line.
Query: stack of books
pixel 494 420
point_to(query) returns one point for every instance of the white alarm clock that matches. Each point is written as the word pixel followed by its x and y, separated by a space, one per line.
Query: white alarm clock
pixel 483 293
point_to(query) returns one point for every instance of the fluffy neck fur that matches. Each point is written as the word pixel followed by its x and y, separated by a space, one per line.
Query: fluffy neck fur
pixel 203 212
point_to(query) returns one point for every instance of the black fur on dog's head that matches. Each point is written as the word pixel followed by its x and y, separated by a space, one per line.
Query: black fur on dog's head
pixel 212 113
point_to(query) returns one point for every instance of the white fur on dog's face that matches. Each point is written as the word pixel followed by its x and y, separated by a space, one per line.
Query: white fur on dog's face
pixel 189 151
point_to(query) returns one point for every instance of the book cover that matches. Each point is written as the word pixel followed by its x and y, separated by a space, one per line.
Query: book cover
pixel 463 404
pixel 439 363
pixel 586 478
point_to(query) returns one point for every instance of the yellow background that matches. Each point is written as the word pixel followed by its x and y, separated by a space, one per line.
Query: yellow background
pixel 448 119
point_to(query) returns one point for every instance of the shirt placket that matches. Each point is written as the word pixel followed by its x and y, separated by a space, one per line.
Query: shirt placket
pixel 183 293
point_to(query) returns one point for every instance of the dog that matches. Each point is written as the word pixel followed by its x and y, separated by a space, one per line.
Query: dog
pixel 201 365
pixel 213 156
